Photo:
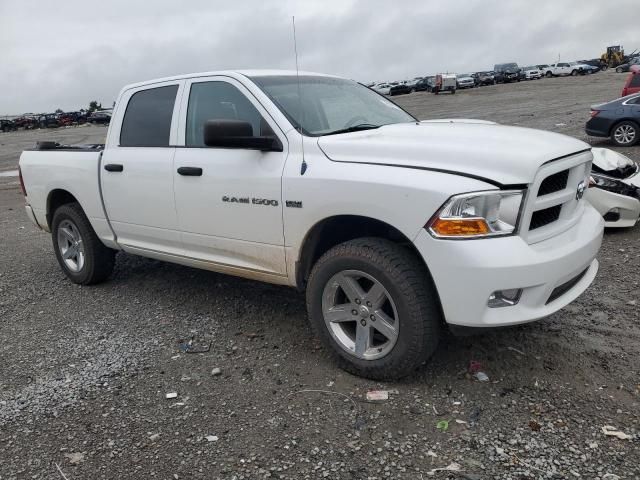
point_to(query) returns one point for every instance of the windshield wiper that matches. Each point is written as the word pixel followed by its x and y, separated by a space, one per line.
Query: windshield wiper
pixel 355 128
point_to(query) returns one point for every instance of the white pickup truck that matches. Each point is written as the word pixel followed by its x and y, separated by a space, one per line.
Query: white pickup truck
pixel 394 227
pixel 561 69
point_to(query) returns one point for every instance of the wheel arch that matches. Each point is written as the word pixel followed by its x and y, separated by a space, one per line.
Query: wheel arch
pixel 56 198
pixel 331 231
pixel 624 119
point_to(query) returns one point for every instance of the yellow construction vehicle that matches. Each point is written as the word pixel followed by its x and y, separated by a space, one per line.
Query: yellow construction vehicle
pixel 613 57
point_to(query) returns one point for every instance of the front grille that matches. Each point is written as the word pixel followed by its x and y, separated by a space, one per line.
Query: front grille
pixel 554 183
pixel 544 217
pixel 565 287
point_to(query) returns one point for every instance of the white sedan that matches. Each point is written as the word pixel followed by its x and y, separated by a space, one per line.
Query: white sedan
pixel 382 88
pixel 615 192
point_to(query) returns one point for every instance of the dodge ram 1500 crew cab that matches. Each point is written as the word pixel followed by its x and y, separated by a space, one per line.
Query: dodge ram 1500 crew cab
pixel 394 227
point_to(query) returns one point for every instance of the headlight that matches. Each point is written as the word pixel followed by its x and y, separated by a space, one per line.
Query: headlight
pixel 612 185
pixel 478 215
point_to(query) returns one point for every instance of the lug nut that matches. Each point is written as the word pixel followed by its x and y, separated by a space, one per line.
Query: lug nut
pixel 368 304
pixel 358 301
pixel 373 318
pixel 363 322
pixel 354 312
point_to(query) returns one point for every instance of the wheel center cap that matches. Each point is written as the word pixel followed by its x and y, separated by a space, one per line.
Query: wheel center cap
pixel 364 311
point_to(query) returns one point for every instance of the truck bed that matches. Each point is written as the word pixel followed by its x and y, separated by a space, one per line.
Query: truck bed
pixel 75 169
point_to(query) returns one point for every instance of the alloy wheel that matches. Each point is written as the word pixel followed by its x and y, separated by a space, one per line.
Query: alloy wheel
pixel 360 314
pixel 625 134
pixel 71 246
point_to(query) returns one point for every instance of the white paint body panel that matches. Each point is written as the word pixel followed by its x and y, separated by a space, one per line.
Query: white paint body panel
pixel 398 174
pixel 604 201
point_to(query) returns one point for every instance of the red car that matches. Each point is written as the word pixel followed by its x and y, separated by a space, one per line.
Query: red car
pixel 632 85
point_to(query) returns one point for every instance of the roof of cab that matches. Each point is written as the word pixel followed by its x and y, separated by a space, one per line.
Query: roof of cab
pixel 229 73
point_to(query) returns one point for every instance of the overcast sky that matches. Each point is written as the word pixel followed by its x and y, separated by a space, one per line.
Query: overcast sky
pixel 64 53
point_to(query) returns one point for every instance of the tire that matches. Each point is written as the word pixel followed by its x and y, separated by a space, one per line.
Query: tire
pixel 93 262
pixel 574 73
pixel 453 92
pixel 410 300
pixel 549 74
pixel 625 134
pixel 618 70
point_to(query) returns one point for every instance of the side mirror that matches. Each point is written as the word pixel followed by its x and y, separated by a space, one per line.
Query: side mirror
pixel 237 134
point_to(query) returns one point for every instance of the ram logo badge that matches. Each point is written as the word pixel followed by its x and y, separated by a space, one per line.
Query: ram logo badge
pixel 580 191
pixel 252 201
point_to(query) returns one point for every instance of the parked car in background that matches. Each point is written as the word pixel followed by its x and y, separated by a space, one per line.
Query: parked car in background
pixel 426 84
pixel 465 80
pixel 560 69
pixel 507 72
pixel 484 78
pixel 382 88
pixel 27 122
pixel 399 88
pixel 532 73
pixel 615 188
pixel 625 67
pixel 582 68
pixel 429 223
pixel 7 125
pixel 619 120
pixel 99 118
pixel 445 82
pixel 632 84
pixel 48 120
pixel 412 83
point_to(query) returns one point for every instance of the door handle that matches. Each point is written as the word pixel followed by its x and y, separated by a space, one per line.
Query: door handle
pixel 190 171
pixel 113 167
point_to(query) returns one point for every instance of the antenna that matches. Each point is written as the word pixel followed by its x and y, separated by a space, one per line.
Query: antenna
pixel 303 167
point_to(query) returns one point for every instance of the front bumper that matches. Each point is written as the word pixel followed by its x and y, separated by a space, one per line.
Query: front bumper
pixel 623 210
pixel 467 272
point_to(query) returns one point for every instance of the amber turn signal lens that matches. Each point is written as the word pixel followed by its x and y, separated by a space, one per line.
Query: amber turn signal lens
pixel 460 227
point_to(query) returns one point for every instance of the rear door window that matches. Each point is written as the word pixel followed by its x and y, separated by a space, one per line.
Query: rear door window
pixel 147 120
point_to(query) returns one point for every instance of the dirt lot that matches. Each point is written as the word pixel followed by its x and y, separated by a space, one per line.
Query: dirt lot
pixel 84 371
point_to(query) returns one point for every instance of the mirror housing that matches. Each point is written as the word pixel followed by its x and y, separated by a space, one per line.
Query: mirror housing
pixel 237 134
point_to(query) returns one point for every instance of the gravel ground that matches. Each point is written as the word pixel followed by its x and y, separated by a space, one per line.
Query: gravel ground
pixel 85 371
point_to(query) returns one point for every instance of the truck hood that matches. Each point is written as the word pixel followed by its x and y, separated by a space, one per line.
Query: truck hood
pixel 501 154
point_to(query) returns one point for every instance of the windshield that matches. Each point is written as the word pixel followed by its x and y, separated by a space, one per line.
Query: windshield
pixel 329 105
pixel 506 66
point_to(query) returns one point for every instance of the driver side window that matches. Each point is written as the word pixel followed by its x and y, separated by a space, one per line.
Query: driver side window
pixel 218 101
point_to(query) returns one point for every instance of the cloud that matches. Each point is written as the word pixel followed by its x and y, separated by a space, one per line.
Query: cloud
pixel 64 54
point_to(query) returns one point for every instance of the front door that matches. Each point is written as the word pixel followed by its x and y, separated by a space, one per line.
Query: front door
pixel 229 200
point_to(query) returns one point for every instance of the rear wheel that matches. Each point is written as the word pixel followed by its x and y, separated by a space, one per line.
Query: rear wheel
pixel 373 304
pixel 625 134
pixel 80 253
pixel 574 73
pixel 549 75
pixel 618 70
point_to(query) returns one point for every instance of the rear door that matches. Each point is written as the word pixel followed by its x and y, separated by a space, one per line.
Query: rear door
pixel 230 211
pixel 137 170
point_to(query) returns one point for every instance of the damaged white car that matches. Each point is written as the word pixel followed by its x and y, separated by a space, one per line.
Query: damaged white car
pixel 615 179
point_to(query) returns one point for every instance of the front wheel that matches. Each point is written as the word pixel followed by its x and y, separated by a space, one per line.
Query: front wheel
pixel 549 75
pixel 618 70
pixel 83 257
pixel 374 306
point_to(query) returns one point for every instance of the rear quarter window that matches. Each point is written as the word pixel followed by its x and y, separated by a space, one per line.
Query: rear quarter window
pixel 147 120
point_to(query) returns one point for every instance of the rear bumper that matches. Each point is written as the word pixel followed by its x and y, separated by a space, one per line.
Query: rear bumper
pixel 467 272
pixel 32 216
